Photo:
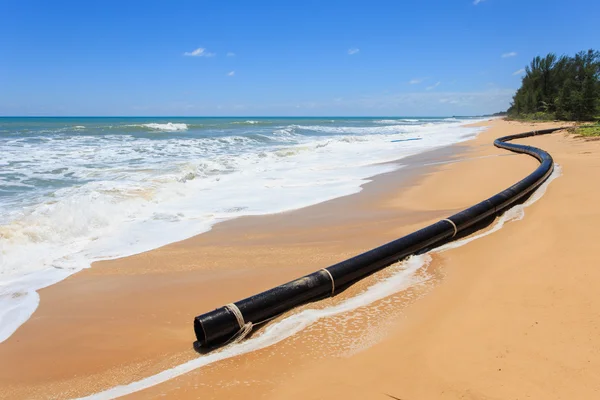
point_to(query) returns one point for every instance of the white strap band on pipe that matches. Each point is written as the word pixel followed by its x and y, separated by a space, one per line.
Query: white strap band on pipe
pixel 453 225
pixel 332 281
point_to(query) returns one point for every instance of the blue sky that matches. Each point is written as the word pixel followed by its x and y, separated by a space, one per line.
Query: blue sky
pixel 226 57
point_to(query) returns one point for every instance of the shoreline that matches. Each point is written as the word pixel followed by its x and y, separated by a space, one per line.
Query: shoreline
pixel 251 236
pixel 279 235
pixel 23 299
pixel 413 277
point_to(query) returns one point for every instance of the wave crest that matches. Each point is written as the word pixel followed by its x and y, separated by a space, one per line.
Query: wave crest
pixel 169 126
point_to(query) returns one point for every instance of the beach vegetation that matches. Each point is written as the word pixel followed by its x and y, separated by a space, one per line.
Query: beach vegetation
pixel 588 130
pixel 559 88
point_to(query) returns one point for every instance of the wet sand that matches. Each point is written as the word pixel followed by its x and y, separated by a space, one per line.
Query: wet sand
pixel 126 319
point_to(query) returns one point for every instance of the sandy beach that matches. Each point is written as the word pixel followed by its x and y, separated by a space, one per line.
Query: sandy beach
pixel 513 314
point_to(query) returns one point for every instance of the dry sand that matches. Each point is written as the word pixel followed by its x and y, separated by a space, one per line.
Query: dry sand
pixel 515 314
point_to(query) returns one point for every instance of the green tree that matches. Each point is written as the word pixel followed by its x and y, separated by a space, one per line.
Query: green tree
pixel 560 87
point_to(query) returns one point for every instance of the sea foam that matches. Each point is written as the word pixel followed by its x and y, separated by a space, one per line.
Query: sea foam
pixel 169 126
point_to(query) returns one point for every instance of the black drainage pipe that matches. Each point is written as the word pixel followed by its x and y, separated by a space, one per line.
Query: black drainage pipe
pixel 234 321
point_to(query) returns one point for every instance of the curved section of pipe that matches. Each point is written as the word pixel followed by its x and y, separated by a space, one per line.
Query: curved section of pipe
pixel 224 324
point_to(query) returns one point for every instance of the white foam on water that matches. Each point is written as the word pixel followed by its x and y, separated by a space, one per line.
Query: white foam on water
pixel 396 121
pixel 20 301
pixel 169 126
pixel 248 122
pixel 112 195
pixel 404 277
pixel 389 121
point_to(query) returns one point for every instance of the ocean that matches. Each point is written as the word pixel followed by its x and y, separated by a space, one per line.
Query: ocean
pixel 77 190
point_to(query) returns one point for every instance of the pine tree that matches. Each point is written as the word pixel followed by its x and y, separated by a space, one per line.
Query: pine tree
pixel 560 87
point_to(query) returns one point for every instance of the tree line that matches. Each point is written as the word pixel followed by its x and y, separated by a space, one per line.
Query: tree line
pixel 566 88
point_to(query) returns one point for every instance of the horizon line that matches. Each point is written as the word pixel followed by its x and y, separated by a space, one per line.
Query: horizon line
pixel 242 116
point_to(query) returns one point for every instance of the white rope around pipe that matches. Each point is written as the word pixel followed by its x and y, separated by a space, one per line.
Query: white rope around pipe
pixel 245 327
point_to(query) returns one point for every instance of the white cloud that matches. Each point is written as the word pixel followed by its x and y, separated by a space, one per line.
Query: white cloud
pixel 199 52
pixel 416 81
pixel 353 51
pixel 519 72
pixel 433 86
pixel 507 55
pixel 230 54
pixel 477 2
pixel 232 73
